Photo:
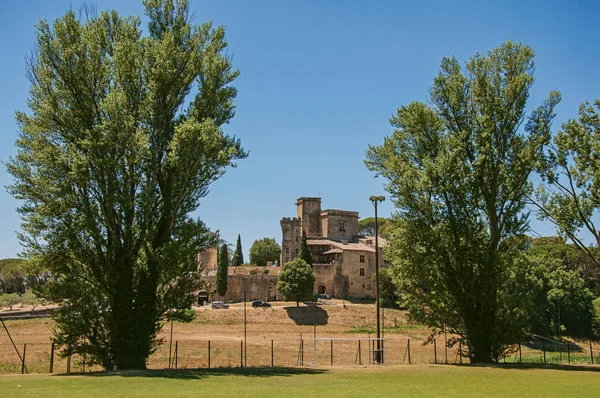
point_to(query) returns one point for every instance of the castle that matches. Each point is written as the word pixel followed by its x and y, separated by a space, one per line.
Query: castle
pixel 344 261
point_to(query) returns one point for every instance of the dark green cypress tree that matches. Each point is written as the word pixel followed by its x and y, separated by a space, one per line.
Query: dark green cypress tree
pixel 238 256
pixel 222 265
pixel 305 253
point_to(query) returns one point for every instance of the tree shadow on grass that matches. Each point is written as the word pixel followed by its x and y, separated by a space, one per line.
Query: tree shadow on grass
pixel 541 343
pixel 536 366
pixel 308 315
pixel 194 374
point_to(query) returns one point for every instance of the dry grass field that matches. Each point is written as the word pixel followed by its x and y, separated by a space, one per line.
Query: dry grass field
pixel 273 337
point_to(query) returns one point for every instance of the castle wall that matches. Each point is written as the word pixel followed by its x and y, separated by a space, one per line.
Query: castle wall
pixel 257 287
pixel 338 224
pixel 330 279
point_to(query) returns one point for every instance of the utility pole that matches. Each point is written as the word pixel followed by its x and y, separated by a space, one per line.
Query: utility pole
pixel 376 199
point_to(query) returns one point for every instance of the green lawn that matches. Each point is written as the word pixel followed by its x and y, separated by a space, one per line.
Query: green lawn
pixel 397 381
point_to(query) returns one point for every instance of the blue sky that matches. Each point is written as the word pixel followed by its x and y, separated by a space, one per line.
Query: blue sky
pixel 319 81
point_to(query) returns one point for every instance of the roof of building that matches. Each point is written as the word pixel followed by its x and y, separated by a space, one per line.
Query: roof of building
pixel 341 245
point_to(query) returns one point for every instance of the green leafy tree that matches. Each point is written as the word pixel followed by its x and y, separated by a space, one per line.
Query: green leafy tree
pixel 122 139
pixel 556 284
pixel 30 298
pixel 305 253
pixel 264 250
pixel 296 281
pixel 238 256
pixel 366 226
pixel 12 275
pixel 388 289
pixel 457 171
pixel 222 265
pixel 10 300
pixel 570 193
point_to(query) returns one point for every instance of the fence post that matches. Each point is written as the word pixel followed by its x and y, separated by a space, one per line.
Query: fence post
pixel 241 353
pixel 52 359
pixel 569 352
pixel 69 361
pixel 591 352
pixel 209 354
pixel 176 349
pixel 520 358
pixel 446 345
pixel 359 358
pixel 460 351
pixel 331 341
pixel 434 352
pixel 23 363
pixel 544 348
pixel 408 347
pixel 302 352
pixel 272 353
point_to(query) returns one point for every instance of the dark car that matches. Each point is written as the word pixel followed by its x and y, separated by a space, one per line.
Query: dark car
pixel 260 303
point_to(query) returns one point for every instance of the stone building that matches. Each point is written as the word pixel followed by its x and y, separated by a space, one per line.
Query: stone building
pixel 259 283
pixel 344 261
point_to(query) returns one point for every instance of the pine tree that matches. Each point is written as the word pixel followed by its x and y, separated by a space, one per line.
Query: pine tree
pixel 238 256
pixel 222 265
pixel 305 253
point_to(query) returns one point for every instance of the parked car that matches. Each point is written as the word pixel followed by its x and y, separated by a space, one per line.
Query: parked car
pixel 260 303
pixel 219 304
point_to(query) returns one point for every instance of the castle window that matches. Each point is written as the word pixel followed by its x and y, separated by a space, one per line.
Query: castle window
pixel 362 258
pixel 342 226
pixel 287 250
pixel 296 239
pixel 362 272
pixel 287 259
pixel 385 261
pixel 296 251
pixel 363 286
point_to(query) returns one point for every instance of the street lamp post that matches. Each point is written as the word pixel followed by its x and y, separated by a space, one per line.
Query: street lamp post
pixel 377 357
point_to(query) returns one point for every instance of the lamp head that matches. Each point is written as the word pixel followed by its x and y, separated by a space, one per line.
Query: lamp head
pixel 376 199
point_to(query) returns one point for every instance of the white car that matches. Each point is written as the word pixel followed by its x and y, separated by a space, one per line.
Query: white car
pixel 219 304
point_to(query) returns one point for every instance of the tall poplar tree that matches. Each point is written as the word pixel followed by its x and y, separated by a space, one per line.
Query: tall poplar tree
pixel 238 256
pixel 458 172
pixel 222 265
pixel 121 141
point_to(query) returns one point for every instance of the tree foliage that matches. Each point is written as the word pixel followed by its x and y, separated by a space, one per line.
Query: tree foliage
pixel 238 256
pixel 305 253
pixel 366 226
pixel 30 298
pixel 556 285
pixel 458 172
pixel 122 139
pixel 264 250
pixel 570 193
pixel 12 275
pixel 222 265
pixel 296 281
pixel 9 300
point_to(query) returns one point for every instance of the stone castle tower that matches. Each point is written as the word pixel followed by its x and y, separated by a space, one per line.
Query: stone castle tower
pixel 318 224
